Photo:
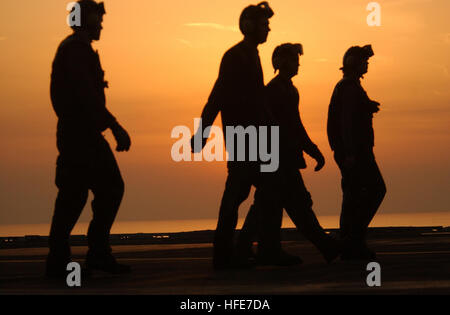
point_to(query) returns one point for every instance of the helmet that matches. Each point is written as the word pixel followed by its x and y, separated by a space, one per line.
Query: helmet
pixel 355 54
pixel 252 13
pixel 283 52
pixel 88 7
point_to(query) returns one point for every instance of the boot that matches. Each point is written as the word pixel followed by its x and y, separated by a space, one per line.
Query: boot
pixel 329 247
pixel 106 263
pixel 56 263
pixel 281 258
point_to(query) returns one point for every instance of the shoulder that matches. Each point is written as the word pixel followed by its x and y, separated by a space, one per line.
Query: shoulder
pixel 347 86
pixel 349 83
pixel 74 47
pixel 343 83
pixel 276 85
pixel 234 54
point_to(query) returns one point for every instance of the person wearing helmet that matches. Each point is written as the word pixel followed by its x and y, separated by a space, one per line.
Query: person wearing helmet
pixel 283 100
pixel 85 160
pixel 351 137
pixel 238 95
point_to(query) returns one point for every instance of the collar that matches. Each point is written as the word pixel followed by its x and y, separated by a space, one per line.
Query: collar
pixel 284 80
pixel 249 46
pixel 352 78
pixel 83 37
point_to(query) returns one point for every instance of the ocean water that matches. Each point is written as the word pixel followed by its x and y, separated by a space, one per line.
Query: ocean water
pixel 123 227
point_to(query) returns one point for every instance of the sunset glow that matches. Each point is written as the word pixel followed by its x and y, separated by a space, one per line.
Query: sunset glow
pixel 161 60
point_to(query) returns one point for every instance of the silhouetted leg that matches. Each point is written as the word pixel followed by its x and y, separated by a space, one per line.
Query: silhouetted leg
pixel 345 220
pixel 363 189
pixel 248 233
pixel 68 207
pixel 272 254
pixel 268 205
pixel 298 205
pixel 367 192
pixel 108 189
pixel 377 190
pixel 237 189
pixel 352 215
pixel 70 201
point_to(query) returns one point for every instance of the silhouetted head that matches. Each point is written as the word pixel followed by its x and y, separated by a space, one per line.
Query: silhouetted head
pixel 356 60
pixel 91 18
pixel 254 22
pixel 286 59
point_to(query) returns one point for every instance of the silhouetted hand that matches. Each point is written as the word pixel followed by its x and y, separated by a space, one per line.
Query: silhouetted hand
pixel 122 138
pixel 374 106
pixel 320 161
pixel 193 148
pixel 314 152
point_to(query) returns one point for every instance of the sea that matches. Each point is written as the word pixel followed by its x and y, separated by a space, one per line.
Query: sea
pixel 173 226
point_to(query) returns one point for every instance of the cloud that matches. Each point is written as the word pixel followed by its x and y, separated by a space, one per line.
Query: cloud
pixel 185 42
pixel 214 26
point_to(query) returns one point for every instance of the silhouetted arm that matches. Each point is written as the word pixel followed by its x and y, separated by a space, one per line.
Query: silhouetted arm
pixel 306 143
pixel 223 88
pixel 298 131
pixel 308 146
pixel 212 107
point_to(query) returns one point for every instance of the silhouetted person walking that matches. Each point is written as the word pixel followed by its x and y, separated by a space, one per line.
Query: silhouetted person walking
pixel 283 100
pixel 351 137
pixel 85 160
pixel 239 95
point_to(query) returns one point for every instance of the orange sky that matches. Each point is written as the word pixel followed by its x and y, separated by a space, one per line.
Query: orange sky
pixel 161 60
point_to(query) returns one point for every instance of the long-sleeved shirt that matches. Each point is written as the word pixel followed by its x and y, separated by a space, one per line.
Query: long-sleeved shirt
pixel 283 99
pixel 77 93
pixel 238 93
pixel 350 117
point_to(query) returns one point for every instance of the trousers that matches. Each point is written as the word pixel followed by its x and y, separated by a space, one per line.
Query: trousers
pixel 296 200
pixel 363 190
pixel 75 176
pixel 237 189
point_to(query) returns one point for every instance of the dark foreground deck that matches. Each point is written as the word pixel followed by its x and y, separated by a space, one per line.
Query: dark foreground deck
pixel 409 265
